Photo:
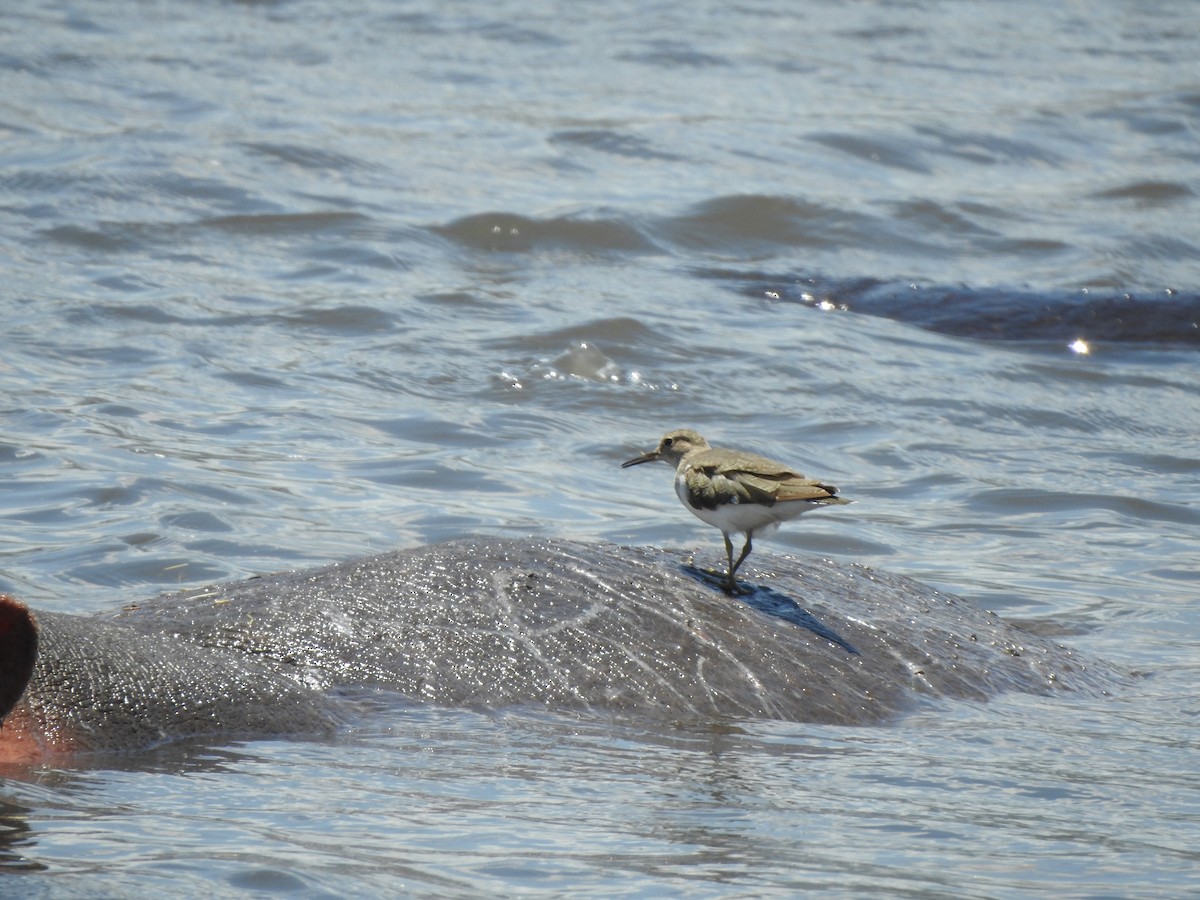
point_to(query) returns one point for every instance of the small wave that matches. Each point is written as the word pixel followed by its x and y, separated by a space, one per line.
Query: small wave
pixel 758 226
pixel 615 143
pixel 1148 193
pixel 511 233
pixel 284 223
pixel 581 362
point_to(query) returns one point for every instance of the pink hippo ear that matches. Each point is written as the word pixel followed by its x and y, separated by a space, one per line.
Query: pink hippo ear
pixel 18 651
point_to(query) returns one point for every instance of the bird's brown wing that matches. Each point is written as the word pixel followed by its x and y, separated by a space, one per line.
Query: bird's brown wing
pixel 782 487
pixel 716 479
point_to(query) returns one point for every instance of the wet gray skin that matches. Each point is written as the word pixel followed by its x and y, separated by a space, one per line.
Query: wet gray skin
pixel 553 624
pixel 111 688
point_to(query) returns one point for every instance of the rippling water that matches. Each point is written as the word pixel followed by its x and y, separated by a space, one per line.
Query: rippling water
pixel 285 283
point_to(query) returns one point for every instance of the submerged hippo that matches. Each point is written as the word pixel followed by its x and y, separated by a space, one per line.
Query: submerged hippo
pixel 489 623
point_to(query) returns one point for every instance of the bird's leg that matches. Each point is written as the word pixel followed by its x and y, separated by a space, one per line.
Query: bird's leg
pixel 745 552
pixel 730 582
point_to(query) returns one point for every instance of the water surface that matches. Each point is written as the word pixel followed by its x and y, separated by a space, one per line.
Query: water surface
pixel 288 283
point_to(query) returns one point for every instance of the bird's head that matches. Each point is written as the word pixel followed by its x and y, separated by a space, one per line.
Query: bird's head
pixel 673 447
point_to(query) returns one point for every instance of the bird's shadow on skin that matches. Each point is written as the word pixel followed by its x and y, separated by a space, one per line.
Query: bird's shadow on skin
pixel 773 603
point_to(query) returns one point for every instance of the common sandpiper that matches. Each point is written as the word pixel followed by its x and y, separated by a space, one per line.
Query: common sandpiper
pixel 735 491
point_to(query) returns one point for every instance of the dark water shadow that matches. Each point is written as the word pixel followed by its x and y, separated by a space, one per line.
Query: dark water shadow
pixel 16 839
pixel 773 603
pixel 1166 317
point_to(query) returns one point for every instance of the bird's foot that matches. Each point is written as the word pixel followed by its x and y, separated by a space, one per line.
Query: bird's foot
pixel 733 589
pixel 719 578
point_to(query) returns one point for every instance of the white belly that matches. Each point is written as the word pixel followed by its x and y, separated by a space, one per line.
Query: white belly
pixel 743 517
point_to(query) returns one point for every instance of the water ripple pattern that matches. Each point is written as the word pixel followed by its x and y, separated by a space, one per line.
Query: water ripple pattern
pixel 291 283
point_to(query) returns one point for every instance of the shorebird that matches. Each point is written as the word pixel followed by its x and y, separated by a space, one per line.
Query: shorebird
pixel 735 491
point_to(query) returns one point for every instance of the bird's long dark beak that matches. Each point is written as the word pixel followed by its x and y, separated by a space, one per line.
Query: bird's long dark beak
pixel 652 456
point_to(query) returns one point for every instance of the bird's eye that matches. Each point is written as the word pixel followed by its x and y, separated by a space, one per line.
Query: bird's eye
pixel 667 442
